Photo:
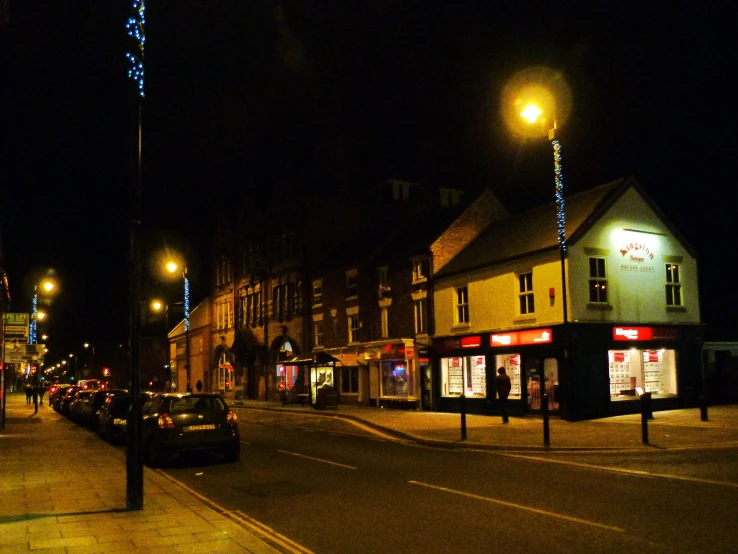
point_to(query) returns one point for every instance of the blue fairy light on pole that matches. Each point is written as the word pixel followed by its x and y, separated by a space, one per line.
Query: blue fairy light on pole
pixel 135 26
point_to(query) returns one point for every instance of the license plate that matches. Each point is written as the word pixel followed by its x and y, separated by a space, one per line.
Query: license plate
pixel 199 427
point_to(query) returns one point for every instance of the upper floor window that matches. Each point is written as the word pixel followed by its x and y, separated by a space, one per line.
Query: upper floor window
pixel 597 280
pixel 382 277
pixel 317 292
pixel 352 283
pixel 223 273
pixel 526 303
pixel 673 286
pixel 318 333
pixel 421 316
pixel 462 304
pixel 223 314
pixel 251 308
pixel 354 325
pixel 421 269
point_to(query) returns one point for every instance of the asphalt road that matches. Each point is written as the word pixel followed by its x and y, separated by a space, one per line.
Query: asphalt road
pixel 333 488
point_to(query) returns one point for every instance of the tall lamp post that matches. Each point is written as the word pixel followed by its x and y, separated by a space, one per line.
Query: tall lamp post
pixel 87 345
pixel 47 287
pixel 173 267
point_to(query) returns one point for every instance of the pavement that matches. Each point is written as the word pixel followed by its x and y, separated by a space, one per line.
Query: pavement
pixel 672 429
pixel 63 490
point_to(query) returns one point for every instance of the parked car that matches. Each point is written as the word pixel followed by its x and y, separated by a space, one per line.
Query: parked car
pixel 112 418
pixel 177 423
pixel 98 399
pixel 67 398
pixel 90 384
pixel 56 395
pixel 78 407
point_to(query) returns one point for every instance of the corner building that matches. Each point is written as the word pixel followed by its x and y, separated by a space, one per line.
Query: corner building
pixel 633 316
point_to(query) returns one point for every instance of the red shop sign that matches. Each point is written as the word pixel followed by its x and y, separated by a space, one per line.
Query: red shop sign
pixel 471 342
pixel 632 333
pixel 534 336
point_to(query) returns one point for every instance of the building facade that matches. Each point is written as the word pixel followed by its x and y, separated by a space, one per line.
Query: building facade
pixel 632 325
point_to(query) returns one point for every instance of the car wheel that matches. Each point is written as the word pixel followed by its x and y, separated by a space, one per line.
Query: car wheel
pixel 232 453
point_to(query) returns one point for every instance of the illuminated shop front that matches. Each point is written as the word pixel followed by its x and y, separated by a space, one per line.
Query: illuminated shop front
pixel 586 370
pixel 392 374
pixel 468 365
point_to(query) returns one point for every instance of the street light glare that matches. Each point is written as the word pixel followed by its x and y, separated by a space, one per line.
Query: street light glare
pixel 48 286
pixel 172 267
pixel 531 113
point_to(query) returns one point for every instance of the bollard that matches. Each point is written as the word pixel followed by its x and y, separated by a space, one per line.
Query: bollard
pixel 462 402
pixel 703 407
pixel 645 410
pixel 544 412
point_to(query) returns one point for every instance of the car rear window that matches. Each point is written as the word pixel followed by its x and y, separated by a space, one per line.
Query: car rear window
pixel 196 404
pixel 120 406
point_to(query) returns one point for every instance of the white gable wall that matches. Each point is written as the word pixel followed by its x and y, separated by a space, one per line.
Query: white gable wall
pixel 637 246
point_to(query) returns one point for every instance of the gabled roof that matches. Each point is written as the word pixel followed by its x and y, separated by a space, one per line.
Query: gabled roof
pixel 534 231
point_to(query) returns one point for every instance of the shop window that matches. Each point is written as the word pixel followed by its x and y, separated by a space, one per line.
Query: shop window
pixel 511 363
pixel 526 304
pixel 464 375
pixel 287 377
pixel 673 286
pixel 350 379
pixel 318 333
pixel 352 284
pixel 395 379
pixel 421 321
pixel 318 292
pixel 462 305
pixel 597 280
pixel 633 372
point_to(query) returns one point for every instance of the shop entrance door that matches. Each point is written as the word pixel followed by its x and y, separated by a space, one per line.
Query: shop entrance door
pixel 548 370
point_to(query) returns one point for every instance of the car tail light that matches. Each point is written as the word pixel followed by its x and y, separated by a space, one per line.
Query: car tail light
pixel 232 418
pixel 165 422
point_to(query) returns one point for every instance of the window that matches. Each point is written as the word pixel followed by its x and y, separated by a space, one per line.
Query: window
pixel 421 325
pixel 223 274
pixel 421 269
pixel 354 326
pixel 673 286
pixel 352 284
pixel 277 302
pixel 383 280
pixel 462 305
pixel 317 292
pixel 229 308
pixel 350 379
pixel 525 293
pixel 318 333
pixel 651 371
pixel 597 280
pixel 396 381
pixel 384 322
pixel 464 375
pixel 252 311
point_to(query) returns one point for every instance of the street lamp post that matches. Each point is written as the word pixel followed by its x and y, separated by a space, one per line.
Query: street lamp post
pixel 172 267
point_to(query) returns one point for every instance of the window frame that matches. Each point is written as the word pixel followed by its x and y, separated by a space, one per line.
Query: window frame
pixel 420 310
pixel 526 297
pixel 673 285
pixel 354 324
pixel 352 284
pixel 598 282
pixel 462 316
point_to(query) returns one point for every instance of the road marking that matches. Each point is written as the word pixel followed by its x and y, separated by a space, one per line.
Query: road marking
pixel 244 520
pixel 634 472
pixel 316 459
pixel 520 507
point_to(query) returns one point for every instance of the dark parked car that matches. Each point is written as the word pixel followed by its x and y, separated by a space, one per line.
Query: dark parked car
pixel 66 399
pixel 56 396
pixel 112 418
pixel 78 407
pixel 98 399
pixel 176 423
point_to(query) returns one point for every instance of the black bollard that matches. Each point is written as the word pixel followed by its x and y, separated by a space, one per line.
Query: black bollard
pixel 462 403
pixel 703 407
pixel 645 410
pixel 544 413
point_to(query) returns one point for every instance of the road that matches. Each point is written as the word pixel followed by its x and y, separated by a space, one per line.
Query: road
pixel 333 488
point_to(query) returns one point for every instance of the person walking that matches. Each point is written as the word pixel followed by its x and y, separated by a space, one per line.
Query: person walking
pixel 503 391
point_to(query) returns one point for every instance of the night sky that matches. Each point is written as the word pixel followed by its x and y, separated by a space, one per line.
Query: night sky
pixel 243 96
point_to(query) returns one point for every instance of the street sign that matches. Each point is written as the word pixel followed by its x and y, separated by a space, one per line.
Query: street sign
pixel 15 327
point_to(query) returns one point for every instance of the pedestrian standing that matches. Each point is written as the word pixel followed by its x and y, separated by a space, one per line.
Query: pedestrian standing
pixel 41 392
pixel 503 391
pixel 29 393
